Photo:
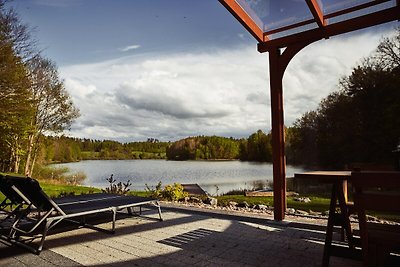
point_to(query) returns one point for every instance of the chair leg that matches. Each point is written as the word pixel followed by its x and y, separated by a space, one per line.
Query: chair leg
pixel 346 227
pixel 365 246
pixel 130 210
pixel 114 211
pixel 41 243
pixel 159 210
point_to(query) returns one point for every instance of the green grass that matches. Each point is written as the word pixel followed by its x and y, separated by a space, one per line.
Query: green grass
pixel 140 193
pixel 56 190
pixel 319 204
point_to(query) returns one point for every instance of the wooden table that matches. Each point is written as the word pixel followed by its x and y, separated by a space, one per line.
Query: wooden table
pixel 339 180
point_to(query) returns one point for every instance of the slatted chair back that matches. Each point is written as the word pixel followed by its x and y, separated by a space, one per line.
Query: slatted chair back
pixel 378 192
pixel 6 189
pixel 30 190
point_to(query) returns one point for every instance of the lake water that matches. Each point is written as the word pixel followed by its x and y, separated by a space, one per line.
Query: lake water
pixel 216 177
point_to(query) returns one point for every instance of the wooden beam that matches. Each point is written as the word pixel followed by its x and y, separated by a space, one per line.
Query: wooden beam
pixel 346 26
pixel 237 11
pixel 316 12
pixel 289 27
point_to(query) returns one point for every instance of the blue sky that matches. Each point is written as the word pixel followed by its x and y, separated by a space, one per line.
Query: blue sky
pixel 169 69
pixel 81 31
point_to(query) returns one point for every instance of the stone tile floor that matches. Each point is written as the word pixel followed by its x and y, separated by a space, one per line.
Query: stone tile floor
pixel 186 237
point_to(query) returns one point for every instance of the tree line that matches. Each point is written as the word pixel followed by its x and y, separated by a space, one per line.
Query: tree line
pixel 358 123
pixel 204 148
pixel 257 147
pixel 33 98
pixel 69 149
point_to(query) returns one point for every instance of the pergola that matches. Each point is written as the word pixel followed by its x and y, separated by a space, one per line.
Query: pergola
pixel 283 28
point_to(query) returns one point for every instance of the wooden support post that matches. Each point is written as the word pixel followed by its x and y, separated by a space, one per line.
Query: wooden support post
pixel 277 65
pixel 278 142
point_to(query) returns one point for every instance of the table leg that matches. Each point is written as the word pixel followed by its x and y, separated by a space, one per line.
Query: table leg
pixel 342 198
pixel 329 228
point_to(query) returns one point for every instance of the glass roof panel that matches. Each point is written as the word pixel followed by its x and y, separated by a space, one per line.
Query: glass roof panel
pixel 272 14
pixel 360 12
pixel 268 20
pixel 330 6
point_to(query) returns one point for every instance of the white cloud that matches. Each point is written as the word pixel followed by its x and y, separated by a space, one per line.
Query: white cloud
pixel 128 48
pixel 225 92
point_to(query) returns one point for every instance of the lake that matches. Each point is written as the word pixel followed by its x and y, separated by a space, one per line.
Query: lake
pixel 216 177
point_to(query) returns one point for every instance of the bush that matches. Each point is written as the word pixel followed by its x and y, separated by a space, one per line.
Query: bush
pixel 119 188
pixel 58 175
pixel 173 192
pixel 170 192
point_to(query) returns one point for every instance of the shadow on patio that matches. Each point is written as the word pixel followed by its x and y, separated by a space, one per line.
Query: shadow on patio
pixel 185 237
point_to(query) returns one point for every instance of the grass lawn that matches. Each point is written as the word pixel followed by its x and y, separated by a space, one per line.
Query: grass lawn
pixel 55 190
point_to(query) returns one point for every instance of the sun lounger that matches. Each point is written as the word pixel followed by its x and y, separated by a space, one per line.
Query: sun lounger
pixel 49 212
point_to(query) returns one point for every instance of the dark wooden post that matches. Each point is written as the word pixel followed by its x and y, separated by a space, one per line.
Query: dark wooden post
pixel 277 66
pixel 278 142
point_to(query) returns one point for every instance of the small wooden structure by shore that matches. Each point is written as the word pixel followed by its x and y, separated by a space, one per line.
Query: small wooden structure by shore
pixel 194 189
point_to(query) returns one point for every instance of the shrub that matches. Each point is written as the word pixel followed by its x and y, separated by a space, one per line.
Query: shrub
pixel 173 192
pixel 58 175
pixel 154 192
pixel 170 192
pixel 119 188
pixel 75 178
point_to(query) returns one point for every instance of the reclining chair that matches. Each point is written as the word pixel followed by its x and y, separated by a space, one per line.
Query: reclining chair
pixel 51 212
pixel 377 192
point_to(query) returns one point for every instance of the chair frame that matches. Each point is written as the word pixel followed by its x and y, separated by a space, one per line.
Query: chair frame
pixel 51 212
pixel 12 199
pixel 365 200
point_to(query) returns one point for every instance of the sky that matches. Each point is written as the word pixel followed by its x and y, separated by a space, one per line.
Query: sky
pixel 169 69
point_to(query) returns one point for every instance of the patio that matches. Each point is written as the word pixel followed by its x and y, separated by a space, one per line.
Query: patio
pixel 187 236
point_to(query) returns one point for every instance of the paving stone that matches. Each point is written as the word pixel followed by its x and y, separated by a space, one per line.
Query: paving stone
pixel 196 240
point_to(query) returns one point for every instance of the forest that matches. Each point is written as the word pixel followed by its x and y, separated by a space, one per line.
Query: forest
pixel 358 123
pixel 56 149
pixel 68 149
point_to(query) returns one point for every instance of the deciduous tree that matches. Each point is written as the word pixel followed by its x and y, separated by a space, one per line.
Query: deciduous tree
pixel 53 108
